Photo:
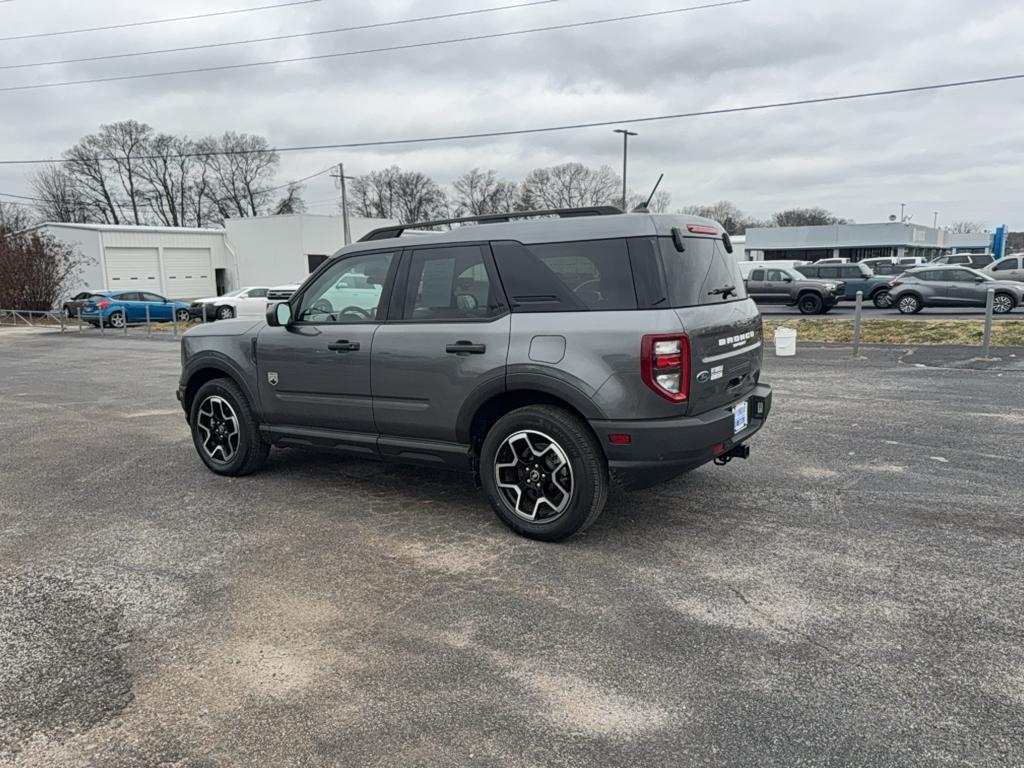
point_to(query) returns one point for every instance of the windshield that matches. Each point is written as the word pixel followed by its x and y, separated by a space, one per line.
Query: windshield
pixel 982 275
pixel 794 274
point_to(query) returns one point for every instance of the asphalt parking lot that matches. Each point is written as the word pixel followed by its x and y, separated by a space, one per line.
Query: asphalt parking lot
pixel 852 595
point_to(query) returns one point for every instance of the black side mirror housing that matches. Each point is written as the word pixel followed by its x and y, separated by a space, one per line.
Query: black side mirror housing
pixel 279 314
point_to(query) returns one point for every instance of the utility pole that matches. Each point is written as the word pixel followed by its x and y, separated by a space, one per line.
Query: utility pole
pixel 339 180
pixel 903 213
pixel 625 161
pixel 935 224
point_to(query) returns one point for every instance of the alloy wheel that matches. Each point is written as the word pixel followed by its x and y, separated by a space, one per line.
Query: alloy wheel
pixel 1002 304
pixel 117 320
pixel 534 476
pixel 182 315
pixel 225 313
pixel 909 305
pixel 218 427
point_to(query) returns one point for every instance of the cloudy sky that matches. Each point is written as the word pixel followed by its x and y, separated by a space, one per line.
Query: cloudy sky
pixel 957 152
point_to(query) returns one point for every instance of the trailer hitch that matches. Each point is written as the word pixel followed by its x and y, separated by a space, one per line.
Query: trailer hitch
pixel 739 452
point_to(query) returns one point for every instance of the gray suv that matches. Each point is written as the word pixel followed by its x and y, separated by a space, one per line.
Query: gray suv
pixel 551 357
pixel 932 286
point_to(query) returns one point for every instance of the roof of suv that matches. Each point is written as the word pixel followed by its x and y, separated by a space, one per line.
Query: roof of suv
pixel 548 230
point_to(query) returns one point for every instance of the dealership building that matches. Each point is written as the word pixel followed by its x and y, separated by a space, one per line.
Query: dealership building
pixel 182 263
pixel 850 241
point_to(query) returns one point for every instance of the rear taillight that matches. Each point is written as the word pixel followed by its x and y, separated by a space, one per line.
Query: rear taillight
pixel 103 304
pixel 665 366
pixel 894 283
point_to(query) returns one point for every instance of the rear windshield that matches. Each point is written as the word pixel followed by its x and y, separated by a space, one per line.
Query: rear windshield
pixel 703 274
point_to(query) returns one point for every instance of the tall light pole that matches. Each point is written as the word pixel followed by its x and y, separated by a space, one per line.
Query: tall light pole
pixel 935 224
pixel 625 160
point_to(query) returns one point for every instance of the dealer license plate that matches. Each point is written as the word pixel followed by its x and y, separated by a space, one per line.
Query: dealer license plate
pixel 739 415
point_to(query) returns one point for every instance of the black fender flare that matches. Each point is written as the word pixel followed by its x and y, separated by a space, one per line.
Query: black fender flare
pixel 218 361
pixel 526 381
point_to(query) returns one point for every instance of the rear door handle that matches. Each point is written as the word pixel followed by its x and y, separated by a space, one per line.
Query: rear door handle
pixel 466 348
pixel 344 346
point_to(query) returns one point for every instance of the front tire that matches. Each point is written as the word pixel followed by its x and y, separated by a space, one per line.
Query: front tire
pixel 225 431
pixel 225 313
pixel 544 472
pixel 1003 304
pixel 810 304
pixel 881 300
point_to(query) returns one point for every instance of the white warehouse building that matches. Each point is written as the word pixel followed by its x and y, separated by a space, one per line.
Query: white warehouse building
pixel 184 263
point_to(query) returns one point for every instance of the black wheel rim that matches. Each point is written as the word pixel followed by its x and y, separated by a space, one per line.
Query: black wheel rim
pixel 219 432
pixel 534 476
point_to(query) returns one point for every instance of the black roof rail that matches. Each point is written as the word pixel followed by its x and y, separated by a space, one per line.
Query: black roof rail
pixel 386 233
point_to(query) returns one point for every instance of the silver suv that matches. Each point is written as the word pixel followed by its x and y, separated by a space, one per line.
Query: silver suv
pixel 551 356
pixel 932 286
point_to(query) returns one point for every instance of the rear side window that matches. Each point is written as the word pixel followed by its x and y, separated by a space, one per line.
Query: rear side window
pixel 578 276
pixel 446 284
pixel 830 273
pixel 807 271
pixel 757 275
pixel 702 274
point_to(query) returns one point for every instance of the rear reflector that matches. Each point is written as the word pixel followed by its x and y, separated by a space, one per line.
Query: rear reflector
pixel 620 439
pixel 701 229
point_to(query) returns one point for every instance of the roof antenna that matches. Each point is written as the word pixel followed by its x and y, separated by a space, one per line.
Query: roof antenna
pixel 644 207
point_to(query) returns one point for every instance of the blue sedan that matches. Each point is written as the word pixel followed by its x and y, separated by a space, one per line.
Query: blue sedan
pixel 119 308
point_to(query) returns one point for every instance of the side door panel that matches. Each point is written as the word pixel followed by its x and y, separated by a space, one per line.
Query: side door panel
pixel 963 291
pixel 447 297
pixel 315 373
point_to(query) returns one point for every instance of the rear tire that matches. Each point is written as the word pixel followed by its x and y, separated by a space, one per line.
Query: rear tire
pixel 561 454
pixel 117 320
pixel 810 304
pixel 909 304
pixel 225 430
pixel 182 315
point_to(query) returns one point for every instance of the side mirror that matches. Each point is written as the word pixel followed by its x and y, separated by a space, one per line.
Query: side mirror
pixel 279 314
pixel 787 279
pixel 979 279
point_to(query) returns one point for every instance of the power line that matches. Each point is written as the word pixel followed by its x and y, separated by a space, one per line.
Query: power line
pixel 151 22
pixel 385 49
pixel 575 126
pixel 336 30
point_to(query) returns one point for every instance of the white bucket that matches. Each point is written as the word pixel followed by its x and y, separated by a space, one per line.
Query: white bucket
pixel 785 342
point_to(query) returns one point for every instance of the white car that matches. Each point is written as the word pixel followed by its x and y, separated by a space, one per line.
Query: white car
pixel 245 302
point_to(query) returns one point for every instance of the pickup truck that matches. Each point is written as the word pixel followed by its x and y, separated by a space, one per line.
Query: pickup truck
pixel 780 285
pixel 856 277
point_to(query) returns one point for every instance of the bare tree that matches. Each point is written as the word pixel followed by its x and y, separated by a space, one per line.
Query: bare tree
pixel 126 143
pixel 35 269
pixel 478 194
pixel 965 227
pixel 406 196
pixel 659 203
pixel 571 185
pixel 240 167
pixel 169 172
pixel 59 196
pixel 292 201
pixel 806 217
pixel 87 166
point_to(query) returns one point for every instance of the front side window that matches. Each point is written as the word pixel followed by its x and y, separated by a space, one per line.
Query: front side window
pixel 776 276
pixel 757 275
pixel 332 298
pixel 152 297
pixel 257 293
pixel 450 284
pixel 1005 265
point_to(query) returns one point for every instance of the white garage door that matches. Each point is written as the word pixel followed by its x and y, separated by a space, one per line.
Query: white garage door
pixel 136 269
pixel 188 273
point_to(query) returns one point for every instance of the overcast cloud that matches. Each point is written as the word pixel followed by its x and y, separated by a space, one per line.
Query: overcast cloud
pixel 957 152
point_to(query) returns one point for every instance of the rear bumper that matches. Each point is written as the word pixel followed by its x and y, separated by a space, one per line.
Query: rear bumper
pixel 665 448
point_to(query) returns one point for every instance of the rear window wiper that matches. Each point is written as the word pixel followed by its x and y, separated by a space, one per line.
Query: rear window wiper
pixel 725 291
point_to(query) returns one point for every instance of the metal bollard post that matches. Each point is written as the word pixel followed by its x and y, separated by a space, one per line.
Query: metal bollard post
pixel 100 313
pixel 856 323
pixel 79 319
pixel 149 330
pixel 125 312
pixel 986 342
pixel 62 321
pixel 174 321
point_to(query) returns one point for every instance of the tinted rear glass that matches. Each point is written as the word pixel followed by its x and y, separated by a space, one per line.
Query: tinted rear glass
pixel 566 277
pixel 701 274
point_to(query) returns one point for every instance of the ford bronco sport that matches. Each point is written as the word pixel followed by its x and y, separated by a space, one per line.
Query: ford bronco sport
pixel 551 357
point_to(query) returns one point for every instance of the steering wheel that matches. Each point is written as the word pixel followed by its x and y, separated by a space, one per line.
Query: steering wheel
pixel 357 311
pixel 466 302
pixel 323 306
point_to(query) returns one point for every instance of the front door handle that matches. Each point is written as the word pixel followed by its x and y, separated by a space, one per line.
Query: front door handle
pixel 465 348
pixel 344 346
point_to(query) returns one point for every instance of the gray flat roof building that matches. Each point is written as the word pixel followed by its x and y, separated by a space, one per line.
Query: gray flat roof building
pixel 852 241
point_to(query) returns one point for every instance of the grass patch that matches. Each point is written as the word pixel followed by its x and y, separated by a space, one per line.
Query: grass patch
pixel 1008 333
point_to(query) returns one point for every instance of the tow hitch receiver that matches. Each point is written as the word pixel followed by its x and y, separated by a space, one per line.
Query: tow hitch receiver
pixel 741 451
